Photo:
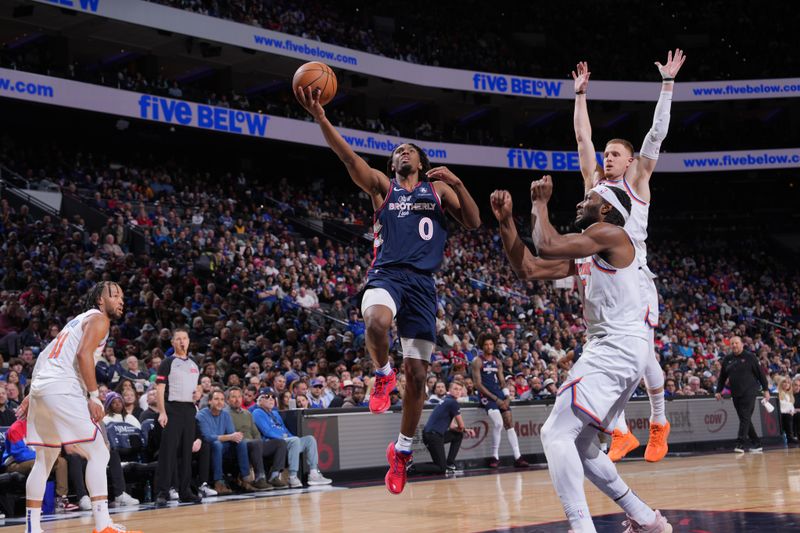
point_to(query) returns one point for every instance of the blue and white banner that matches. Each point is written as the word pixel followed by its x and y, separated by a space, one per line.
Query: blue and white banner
pixel 47 90
pixel 254 38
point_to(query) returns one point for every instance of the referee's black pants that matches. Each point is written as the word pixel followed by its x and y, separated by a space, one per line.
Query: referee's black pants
pixel 435 443
pixel 176 442
pixel 744 408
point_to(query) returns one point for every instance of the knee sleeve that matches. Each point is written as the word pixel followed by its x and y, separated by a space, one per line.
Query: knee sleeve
pixel 37 479
pixel 98 455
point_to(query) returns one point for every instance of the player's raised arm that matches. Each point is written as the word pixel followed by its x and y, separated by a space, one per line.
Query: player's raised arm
pixel 372 181
pixel 598 238
pixel 523 262
pixel 583 128
pixel 651 146
pixel 95 330
pixel 455 197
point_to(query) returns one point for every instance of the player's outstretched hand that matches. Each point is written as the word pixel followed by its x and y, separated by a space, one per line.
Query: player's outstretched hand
pixel 309 99
pixel 21 412
pixel 542 190
pixel 673 65
pixel 581 76
pixel 501 205
pixel 96 410
pixel 443 174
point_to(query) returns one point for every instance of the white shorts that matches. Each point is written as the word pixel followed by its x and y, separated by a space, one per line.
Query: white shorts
pixel 605 376
pixel 58 419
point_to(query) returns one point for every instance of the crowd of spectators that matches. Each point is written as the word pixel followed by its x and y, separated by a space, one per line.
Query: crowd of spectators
pixel 513 39
pixel 264 303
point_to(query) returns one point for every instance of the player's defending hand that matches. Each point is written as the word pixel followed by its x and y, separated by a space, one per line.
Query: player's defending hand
pixel 443 174
pixel 542 190
pixel 581 77
pixel 673 65
pixel 502 205
pixel 96 410
pixel 162 419
pixel 309 99
pixel 21 412
pixel 718 396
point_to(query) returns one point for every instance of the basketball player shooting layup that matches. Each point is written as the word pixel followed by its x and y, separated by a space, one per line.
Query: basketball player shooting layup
pixel 58 411
pixel 615 355
pixel 622 170
pixel 410 234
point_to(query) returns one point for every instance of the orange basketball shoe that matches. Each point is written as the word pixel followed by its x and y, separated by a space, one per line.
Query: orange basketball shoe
pixel 622 444
pixel 657 445
pixel 379 400
pixel 398 463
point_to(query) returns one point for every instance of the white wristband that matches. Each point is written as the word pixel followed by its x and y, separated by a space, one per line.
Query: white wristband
pixel 505 391
pixel 94 395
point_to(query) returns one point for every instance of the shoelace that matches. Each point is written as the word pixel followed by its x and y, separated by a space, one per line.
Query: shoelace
pixel 380 384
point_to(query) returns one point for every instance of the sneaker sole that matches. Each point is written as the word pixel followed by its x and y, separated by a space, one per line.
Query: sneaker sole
pixel 317 483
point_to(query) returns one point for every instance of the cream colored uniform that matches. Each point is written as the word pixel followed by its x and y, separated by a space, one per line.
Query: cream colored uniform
pixel 58 412
pixel 616 353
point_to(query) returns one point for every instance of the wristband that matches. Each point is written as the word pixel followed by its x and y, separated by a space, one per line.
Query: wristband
pixel 580 92
pixel 506 392
pixel 668 79
pixel 94 395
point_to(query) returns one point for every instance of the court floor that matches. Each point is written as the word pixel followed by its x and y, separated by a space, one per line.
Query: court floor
pixel 717 493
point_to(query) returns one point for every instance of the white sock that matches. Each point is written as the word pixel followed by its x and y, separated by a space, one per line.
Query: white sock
pixel 657 409
pixel 514 442
pixel 33 520
pixel 403 443
pixel 385 370
pixel 636 508
pixel 621 424
pixel 579 518
pixel 101 517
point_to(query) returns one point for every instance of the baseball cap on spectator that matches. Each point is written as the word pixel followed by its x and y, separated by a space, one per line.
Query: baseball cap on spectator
pixel 148 327
pixel 347 383
pixel 547 382
pixel 317 382
pixel 358 383
pixel 311 363
pixel 110 397
pixel 518 374
pixel 266 391
pixel 330 338
pixel 291 376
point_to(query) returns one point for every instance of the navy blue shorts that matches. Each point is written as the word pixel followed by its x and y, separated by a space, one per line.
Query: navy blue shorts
pixel 414 295
pixel 491 404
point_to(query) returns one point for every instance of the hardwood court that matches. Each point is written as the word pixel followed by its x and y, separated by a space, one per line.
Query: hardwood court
pixel 767 483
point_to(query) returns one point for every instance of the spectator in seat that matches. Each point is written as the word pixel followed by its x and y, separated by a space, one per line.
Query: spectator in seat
pixel 271 426
pixel 19 457
pixel 216 428
pixel 315 397
pixel 257 447
pixel 438 395
pixel 357 398
pixel 7 416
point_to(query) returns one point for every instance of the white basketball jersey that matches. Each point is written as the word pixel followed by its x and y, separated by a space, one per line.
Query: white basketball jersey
pixel 636 226
pixel 613 303
pixel 56 370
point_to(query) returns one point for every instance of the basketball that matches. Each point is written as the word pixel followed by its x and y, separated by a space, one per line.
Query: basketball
pixel 317 76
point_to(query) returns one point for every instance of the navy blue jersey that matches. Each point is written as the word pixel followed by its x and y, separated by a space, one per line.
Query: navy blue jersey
pixel 489 371
pixel 409 229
